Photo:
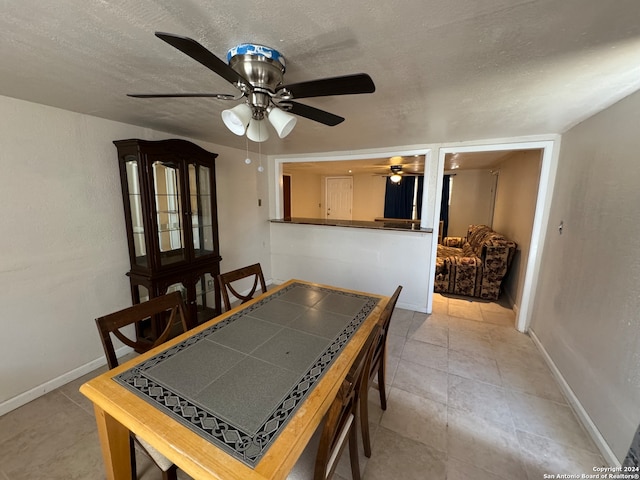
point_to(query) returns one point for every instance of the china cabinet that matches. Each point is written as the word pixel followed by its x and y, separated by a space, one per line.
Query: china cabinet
pixel 169 197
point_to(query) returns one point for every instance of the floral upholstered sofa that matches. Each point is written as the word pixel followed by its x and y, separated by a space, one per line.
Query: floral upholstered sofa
pixel 474 265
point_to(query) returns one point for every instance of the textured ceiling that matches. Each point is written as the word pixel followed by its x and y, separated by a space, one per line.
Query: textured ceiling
pixel 445 70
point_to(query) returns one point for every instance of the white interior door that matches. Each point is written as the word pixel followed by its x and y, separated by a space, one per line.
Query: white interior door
pixel 339 198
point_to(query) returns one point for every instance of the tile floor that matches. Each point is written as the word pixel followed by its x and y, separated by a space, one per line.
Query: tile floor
pixel 469 398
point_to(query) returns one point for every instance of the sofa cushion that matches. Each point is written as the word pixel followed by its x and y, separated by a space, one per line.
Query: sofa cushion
pixel 469 251
pixel 444 251
pixel 477 233
pixel 457 242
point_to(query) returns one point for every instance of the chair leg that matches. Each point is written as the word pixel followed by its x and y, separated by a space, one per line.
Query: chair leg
pixel 381 386
pixel 353 452
pixel 171 474
pixel 364 423
pixel 132 454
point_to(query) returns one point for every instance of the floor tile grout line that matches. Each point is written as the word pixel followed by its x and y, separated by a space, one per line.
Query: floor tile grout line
pixel 524 457
pixel 575 447
pixel 506 388
pixel 529 432
pixel 77 404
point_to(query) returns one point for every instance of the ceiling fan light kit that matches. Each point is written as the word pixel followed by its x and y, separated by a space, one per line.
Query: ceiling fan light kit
pixel 257 131
pixel 282 121
pixel 396 171
pixel 257 71
pixel 237 118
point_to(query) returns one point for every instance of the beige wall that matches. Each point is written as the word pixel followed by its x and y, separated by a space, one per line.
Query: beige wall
pixel 368 196
pixel 306 195
pixel 515 207
pixel 585 312
pixel 471 201
pixel 64 259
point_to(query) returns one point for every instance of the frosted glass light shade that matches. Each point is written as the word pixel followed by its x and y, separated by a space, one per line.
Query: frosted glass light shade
pixel 257 131
pixel 237 118
pixel 282 121
pixel 395 178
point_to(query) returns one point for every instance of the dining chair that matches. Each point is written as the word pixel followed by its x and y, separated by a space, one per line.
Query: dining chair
pixel 171 305
pixel 377 368
pixel 225 280
pixel 339 426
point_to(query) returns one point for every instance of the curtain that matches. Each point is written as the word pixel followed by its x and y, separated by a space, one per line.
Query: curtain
pixel 444 205
pixel 398 198
pixel 419 199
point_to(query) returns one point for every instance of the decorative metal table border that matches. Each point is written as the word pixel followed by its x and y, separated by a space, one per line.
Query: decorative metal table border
pixel 247 447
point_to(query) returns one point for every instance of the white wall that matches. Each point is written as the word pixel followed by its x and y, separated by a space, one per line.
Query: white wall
pixel 362 259
pixel 63 249
pixel 243 226
pixel 585 312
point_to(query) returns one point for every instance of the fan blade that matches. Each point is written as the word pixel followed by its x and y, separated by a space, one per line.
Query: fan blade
pixel 205 57
pixel 315 114
pixel 219 96
pixel 346 85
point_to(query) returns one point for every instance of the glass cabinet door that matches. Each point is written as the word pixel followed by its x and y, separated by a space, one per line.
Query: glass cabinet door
pixel 201 216
pixel 169 198
pixel 135 209
pixel 166 183
pixel 178 287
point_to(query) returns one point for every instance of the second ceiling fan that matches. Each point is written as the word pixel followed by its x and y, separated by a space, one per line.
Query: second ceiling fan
pixel 257 72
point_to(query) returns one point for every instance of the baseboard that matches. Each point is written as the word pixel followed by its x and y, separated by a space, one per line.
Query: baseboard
pixel 577 407
pixel 412 307
pixel 30 395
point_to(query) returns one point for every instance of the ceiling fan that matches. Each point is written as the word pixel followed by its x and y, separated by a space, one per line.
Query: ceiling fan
pixel 396 173
pixel 257 72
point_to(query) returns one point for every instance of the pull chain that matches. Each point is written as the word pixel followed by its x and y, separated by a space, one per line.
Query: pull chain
pixel 247 160
pixel 260 167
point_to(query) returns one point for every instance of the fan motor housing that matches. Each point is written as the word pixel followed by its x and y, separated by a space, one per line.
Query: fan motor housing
pixel 262 66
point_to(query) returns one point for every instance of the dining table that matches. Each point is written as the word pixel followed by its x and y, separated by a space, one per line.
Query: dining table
pixel 239 396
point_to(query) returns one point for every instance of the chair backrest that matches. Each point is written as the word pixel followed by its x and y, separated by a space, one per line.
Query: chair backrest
pixel 342 412
pixel 170 304
pixel 384 322
pixel 225 281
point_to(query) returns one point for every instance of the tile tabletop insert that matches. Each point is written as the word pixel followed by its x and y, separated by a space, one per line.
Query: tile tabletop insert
pixel 238 382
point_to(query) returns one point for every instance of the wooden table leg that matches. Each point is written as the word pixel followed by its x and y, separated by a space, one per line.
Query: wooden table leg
pixel 114 440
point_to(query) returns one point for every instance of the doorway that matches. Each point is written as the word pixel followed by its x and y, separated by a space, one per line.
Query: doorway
pixel 531 261
pixel 286 196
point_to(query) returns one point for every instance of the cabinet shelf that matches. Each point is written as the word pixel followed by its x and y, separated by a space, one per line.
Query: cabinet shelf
pixel 168 228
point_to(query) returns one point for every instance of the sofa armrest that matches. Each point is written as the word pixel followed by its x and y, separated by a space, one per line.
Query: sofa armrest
pixel 457 242
pixel 466 275
pixel 497 258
